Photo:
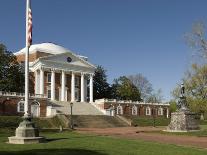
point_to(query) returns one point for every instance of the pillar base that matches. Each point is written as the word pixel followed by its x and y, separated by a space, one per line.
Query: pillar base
pixel 26 133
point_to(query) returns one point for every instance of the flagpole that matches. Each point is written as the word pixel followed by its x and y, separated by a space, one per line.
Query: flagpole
pixel 27 64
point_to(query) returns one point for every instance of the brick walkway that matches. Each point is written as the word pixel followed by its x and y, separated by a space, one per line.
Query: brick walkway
pixel 143 133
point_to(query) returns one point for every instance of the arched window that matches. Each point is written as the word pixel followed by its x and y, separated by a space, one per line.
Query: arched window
pixel 148 111
pixel 35 109
pixel 134 110
pixel 20 106
pixel 119 110
pixel 160 111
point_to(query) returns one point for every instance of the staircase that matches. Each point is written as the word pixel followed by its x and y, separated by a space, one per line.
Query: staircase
pixel 98 121
pixel 82 108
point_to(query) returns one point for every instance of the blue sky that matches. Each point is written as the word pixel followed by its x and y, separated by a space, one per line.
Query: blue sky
pixel 124 36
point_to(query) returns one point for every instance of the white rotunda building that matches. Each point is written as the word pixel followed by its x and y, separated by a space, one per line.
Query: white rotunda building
pixel 58 73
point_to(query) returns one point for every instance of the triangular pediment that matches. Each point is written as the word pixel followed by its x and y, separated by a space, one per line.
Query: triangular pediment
pixel 68 58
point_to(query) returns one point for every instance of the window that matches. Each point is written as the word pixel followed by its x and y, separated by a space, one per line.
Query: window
pixel 160 111
pixel 134 110
pixel 148 111
pixel 48 77
pixel 49 93
pixel 77 82
pixel 20 106
pixel 119 110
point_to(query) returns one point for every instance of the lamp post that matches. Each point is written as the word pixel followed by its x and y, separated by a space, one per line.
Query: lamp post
pixel 71 115
pixel 153 110
pixel 154 115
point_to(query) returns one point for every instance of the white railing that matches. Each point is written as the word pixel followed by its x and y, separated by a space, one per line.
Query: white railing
pixel 99 101
pixel 3 93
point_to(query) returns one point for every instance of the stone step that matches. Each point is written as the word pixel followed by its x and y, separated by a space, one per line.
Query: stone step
pixel 97 121
pixel 79 108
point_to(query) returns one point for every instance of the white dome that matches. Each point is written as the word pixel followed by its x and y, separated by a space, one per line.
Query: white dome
pixel 46 48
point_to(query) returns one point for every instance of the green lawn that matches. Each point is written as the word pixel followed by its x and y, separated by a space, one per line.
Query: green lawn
pixel 201 133
pixel 72 143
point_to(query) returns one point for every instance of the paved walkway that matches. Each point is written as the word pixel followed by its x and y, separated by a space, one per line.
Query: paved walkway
pixel 143 133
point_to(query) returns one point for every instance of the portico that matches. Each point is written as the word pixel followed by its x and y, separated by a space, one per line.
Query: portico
pixel 63 85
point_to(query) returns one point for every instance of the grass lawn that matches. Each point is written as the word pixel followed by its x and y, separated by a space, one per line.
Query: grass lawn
pixel 201 133
pixel 72 143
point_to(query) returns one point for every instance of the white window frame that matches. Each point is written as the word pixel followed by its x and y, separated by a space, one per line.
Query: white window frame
pixel 121 110
pixel 134 110
pixel 148 111
pixel 37 105
pixel 50 77
pixel 160 111
pixel 49 89
pixel 19 108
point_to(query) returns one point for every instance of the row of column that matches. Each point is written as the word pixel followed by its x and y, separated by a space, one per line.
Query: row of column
pixel 63 83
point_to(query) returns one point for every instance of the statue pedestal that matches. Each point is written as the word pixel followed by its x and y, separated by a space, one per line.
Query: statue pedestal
pixel 183 121
pixel 26 133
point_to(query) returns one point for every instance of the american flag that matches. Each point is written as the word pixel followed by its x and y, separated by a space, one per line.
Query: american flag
pixel 29 27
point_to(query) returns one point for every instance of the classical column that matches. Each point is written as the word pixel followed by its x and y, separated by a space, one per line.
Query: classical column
pixel 52 84
pixel 91 88
pixel 73 87
pixel 36 83
pixel 85 88
pixel 167 113
pixel 42 81
pixel 82 88
pixel 63 86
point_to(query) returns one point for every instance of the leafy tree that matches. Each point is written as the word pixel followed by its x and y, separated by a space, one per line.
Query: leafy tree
pixel 142 83
pixel 101 87
pixel 124 89
pixel 173 106
pixel 11 77
pixel 195 82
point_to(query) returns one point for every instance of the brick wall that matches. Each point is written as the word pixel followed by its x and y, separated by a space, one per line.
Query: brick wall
pixel 8 106
pixel 141 108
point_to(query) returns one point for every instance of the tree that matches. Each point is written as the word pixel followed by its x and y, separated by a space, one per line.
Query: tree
pixel 195 82
pixel 101 87
pixel 142 83
pixel 173 106
pixel 11 77
pixel 155 97
pixel 196 39
pixel 124 89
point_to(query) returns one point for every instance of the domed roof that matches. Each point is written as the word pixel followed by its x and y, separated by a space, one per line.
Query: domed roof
pixel 50 48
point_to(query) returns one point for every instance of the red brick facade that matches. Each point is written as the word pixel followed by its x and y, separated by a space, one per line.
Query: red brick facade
pixel 9 105
pixel 140 109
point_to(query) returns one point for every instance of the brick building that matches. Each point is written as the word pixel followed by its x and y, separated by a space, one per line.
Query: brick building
pixel 58 73
pixel 13 104
pixel 114 107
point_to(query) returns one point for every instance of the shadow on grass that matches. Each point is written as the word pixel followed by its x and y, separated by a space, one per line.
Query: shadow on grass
pixel 54 139
pixel 53 152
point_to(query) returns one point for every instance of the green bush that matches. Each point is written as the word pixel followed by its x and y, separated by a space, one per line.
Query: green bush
pixel 13 122
pixel 9 121
pixel 148 121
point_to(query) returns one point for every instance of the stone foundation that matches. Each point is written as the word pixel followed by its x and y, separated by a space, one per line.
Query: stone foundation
pixel 26 133
pixel 25 140
pixel 183 121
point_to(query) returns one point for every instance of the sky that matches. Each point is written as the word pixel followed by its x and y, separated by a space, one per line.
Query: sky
pixel 126 37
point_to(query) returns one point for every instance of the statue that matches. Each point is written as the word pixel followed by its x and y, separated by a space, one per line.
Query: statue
pixel 182 104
